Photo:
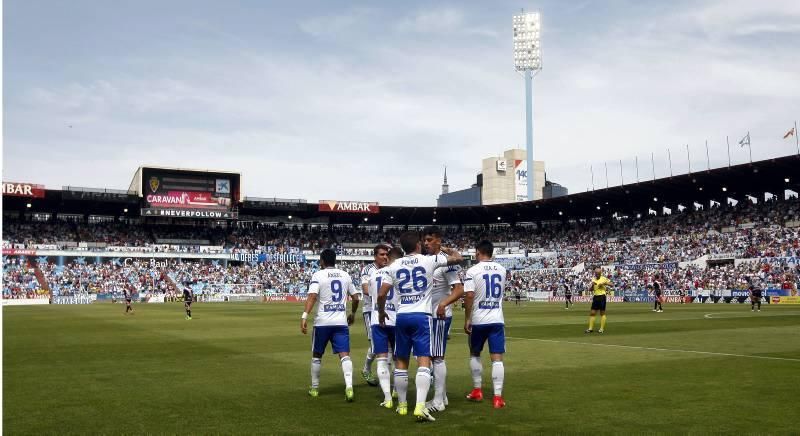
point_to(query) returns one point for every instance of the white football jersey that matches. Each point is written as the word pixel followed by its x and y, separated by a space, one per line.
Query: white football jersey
pixel 443 281
pixel 376 280
pixel 488 281
pixel 332 286
pixel 366 301
pixel 412 278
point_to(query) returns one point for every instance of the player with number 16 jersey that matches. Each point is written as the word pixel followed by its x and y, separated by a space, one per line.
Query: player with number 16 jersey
pixel 484 286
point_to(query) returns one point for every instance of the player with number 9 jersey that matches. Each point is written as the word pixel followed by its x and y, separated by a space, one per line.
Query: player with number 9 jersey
pixel 333 286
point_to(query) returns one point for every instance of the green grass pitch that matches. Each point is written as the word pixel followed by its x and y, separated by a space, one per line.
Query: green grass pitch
pixel 244 368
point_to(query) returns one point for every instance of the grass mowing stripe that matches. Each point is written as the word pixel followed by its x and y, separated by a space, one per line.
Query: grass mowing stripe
pixel 652 348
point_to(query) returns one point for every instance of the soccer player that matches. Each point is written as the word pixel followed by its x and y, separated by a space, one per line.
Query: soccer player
pixel 657 292
pixel 383 335
pixel 446 281
pixel 128 297
pixel 484 285
pixel 518 296
pixel 381 259
pixel 599 289
pixel 188 293
pixel 755 297
pixel 330 286
pixel 567 295
pixel 412 277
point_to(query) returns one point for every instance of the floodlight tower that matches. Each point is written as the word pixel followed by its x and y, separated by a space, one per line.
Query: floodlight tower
pixel 528 61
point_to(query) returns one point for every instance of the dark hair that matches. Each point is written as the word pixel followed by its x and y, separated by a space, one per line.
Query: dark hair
pixel 432 231
pixel 328 256
pixel 409 241
pixel 380 247
pixel 395 253
pixel 485 247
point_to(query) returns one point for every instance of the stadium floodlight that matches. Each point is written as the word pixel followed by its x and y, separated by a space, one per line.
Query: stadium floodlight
pixel 786 180
pixel 560 213
pixel 28 205
pixel 290 217
pixel 528 61
pixel 655 198
pixel 366 219
pixel 724 189
pixel 125 210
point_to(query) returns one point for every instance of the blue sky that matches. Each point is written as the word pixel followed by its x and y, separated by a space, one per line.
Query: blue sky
pixel 368 100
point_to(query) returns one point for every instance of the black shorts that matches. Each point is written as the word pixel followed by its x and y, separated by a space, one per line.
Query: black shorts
pixel 568 297
pixel 128 301
pixel 599 302
pixel 187 303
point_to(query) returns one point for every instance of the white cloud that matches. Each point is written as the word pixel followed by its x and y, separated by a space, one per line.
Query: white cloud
pixel 377 121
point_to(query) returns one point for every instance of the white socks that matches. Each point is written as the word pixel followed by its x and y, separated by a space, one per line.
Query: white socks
pixel 347 370
pixel 440 376
pixel 368 360
pixel 477 371
pixel 498 376
pixel 423 383
pixel 383 377
pixel 316 368
pixel 401 384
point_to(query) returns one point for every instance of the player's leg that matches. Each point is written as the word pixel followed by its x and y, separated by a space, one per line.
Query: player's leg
pixel 366 371
pixel 497 347
pixel 380 346
pixel 592 314
pixel 421 339
pixel 660 304
pixel 319 341
pixel 187 306
pixel 758 301
pixel 476 341
pixel 439 346
pixel 340 342
pixel 402 351
pixel 602 319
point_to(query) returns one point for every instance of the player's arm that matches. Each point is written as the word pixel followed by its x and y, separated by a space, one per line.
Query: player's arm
pixel 383 292
pixel 453 256
pixel 354 300
pixel 311 300
pixel 469 297
pixel 455 295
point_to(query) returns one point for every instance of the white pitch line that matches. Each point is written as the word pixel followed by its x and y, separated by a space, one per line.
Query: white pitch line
pixel 746 315
pixel 789 359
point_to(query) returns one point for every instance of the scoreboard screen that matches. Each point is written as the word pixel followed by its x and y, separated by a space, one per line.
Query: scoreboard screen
pixel 189 194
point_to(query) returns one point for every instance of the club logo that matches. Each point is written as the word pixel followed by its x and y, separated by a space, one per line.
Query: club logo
pixel 154 184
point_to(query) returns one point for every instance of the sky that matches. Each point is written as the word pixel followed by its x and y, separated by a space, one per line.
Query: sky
pixel 369 101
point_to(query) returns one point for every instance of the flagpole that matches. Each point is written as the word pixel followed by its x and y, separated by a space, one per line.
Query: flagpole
pixel 653 162
pixel 606 163
pixel 637 169
pixel 622 179
pixel 669 155
pixel 688 159
pixel 708 159
pixel 729 150
pixel 749 147
pixel 592 171
pixel 796 138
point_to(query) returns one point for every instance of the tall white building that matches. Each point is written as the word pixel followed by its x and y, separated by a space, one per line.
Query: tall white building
pixel 505 178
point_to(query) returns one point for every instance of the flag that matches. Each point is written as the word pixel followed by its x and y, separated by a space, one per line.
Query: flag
pixel 789 133
pixel 745 140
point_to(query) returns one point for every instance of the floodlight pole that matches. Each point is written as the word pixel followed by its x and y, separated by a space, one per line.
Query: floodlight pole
pixel 529 130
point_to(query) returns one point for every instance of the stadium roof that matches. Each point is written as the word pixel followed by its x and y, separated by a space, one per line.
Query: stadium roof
pixel 736 182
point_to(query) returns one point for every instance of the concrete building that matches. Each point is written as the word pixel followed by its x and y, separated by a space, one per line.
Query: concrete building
pixel 505 178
